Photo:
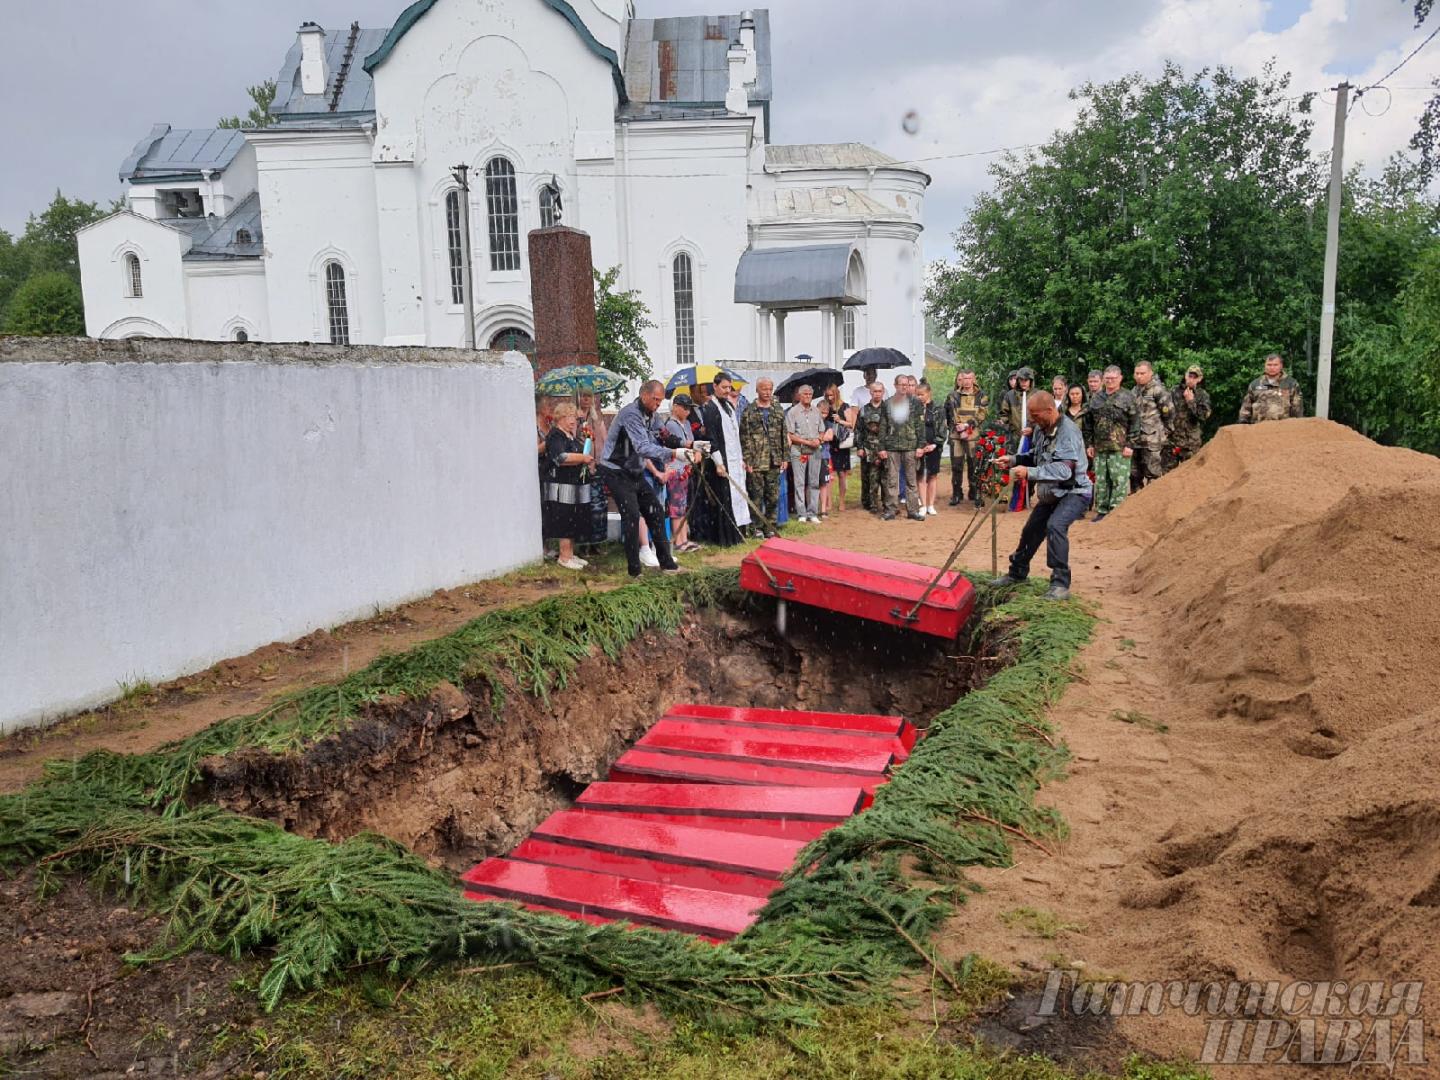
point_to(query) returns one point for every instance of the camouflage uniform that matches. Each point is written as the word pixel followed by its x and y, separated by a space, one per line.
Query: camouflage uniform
pixel 1109 423
pixel 765 449
pixel 962 408
pixel 1156 415
pixel 1187 433
pixel 868 428
pixel 900 439
pixel 1271 399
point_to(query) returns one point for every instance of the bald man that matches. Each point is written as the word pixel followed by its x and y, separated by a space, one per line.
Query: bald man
pixel 631 442
pixel 1057 465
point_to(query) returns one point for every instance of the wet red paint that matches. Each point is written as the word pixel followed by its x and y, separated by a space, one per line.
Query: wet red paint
pixel 671 907
pixel 816 749
pixel 643 868
pixel 766 856
pixel 647 765
pixel 802 720
pixel 883 590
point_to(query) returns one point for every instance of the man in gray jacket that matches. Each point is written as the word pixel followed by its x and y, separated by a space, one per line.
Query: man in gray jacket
pixel 1057 465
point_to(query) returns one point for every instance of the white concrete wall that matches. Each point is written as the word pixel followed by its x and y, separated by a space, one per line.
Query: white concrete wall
pixel 685 190
pixel 167 513
pixel 110 310
pixel 468 83
pixel 223 297
pixel 317 195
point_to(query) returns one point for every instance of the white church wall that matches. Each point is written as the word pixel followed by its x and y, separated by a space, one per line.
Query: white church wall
pixel 317 190
pixel 686 191
pixel 225 297
pixel 517 81
pixel 231 187
pixel 111 308
pixel 172 503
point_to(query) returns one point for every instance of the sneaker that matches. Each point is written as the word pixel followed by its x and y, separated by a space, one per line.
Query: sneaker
pixel 1004 581
pixel 1057 592
pixel 649 558
pixel 917 517
pixel 932 511
pixel 583 562
pixel 573 564
pixel 888 515
pixel 954 500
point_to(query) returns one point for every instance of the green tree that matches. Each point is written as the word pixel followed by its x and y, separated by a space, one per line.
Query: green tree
pixel 14 269
pixel 49 239
pixel 1173 222
pixel 46 304
pixel 621 319
pixel 262 96
pixel 1426 140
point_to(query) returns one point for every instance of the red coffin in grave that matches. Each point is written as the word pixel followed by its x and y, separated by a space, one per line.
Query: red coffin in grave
pixel 866 586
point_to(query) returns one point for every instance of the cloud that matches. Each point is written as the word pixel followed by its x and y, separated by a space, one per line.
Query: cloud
pixel 93 75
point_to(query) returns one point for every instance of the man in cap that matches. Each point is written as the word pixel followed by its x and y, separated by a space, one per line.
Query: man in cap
pixel 1192 409
pixel 1273 396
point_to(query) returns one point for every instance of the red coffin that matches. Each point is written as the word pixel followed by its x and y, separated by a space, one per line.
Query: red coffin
pixel 864 585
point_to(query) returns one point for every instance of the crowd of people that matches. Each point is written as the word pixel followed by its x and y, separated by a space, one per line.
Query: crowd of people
pixel 721 466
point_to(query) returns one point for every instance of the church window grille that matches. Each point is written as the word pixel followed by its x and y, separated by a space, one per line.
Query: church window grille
pixel 684 281
pixel 455 244
pixel 134 284
pixel 336 305
pixel 502 206
pixel 847 330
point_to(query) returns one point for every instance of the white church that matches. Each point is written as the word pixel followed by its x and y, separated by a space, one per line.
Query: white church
pixel 342 220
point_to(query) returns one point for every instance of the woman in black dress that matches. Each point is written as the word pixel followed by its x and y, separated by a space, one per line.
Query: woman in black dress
pixel 565 510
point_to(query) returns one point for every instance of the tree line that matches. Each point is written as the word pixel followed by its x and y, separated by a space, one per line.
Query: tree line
pixel 1181 220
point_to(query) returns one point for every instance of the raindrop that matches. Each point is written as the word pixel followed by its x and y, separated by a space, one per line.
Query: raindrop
pixel 911 122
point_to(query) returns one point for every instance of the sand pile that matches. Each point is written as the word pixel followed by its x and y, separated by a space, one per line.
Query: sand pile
pixel 1297 565
pixel 1294 568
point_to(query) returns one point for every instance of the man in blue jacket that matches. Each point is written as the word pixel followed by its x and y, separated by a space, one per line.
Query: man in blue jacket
pixel 1057 465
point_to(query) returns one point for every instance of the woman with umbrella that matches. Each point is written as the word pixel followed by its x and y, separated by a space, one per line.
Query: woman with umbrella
pixel 586 383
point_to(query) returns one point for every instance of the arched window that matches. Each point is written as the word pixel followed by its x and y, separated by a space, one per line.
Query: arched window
pixel 455 244
pixel 684 277
pixel 513 339
pixel 134 286
pixel 336 306
pixel 847 330
pixel 549 206
pixel 502 207
pixel 242 335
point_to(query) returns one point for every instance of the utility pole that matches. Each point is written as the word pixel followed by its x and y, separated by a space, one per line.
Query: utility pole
pixel 1332 253
pixel 467 279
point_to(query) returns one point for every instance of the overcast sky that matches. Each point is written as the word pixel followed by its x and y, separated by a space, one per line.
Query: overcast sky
pixel 83 80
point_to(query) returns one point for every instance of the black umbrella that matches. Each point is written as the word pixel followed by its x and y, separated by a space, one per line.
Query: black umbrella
pixel 876 358
pixel 817 378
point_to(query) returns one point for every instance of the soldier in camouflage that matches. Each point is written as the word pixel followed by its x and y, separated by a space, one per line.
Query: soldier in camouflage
pixel 965 411
pixel 1111 426
pixel 765 449
pixel 902 435
pixel 1273 396
pixel 869 426
pixel 1156 415
pixel 1192 409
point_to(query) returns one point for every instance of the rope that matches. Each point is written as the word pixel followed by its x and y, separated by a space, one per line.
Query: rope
pixel 972 530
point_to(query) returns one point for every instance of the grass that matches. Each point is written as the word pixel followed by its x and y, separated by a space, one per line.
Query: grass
pixel 514 1024
pixel 1139 719
pixel 1127 644
pixel 1038 921
pixel 355 914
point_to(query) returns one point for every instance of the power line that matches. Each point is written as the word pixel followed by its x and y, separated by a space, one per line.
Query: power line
pixel 1413 53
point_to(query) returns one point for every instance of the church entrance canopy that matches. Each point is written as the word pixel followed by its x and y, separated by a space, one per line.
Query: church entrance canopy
pixel 817 277
pixel 812 276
